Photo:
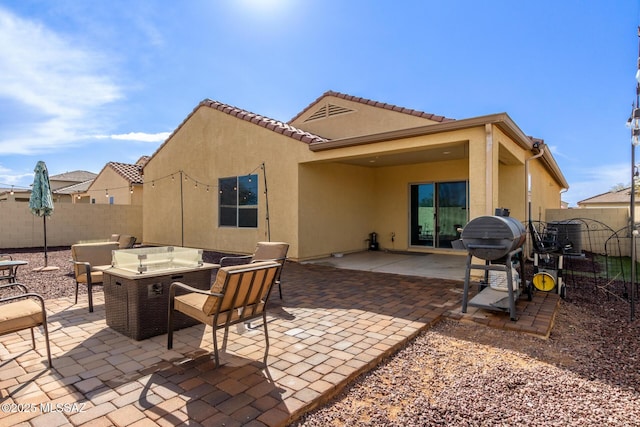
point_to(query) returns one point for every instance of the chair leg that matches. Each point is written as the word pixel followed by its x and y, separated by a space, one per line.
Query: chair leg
pixel 280 288
pixel 266 338
pixel 77 285
pixel 33 339
pixel 170 326
pixel 90 292
pixel 215 347
pixel 46 340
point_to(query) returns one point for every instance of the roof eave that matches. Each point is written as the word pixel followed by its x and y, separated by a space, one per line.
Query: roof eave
pixel 502 120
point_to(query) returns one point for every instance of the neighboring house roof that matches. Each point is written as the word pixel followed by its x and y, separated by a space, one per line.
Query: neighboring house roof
pixel 143 160
pixel 619 196
pixel 74 176
pixel 372 103
pixel 131 173
pixel 80 187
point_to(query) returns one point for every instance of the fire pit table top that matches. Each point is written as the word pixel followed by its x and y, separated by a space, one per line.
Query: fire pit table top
pixel 155 261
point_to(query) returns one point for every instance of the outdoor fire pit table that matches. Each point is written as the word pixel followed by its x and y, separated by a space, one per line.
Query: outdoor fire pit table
pixel 136 287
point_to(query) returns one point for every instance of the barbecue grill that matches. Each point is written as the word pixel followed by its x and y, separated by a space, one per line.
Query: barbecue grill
pixel 497 240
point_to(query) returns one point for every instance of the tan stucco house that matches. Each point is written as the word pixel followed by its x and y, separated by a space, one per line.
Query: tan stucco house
pixel 341 169
pixel 116 184
pixel 63 187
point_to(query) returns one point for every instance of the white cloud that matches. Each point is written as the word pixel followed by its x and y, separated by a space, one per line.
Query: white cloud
pixel 59 85
pixel 9 177
pixel 141 136
pixel 594 180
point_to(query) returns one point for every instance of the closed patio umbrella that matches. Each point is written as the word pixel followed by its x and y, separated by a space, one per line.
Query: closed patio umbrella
pixel 41 200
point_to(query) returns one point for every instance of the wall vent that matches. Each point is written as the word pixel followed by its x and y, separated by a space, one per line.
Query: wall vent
pixel 328 110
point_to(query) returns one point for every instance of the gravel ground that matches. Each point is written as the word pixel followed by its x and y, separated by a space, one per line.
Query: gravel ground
pixel 459 374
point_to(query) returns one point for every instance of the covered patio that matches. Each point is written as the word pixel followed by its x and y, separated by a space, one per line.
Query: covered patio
pixel 332 325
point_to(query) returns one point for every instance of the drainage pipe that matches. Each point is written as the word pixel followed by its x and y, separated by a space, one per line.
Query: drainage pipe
pixel 527 185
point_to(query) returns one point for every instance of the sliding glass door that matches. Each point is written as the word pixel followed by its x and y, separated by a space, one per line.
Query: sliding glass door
pixel 437 211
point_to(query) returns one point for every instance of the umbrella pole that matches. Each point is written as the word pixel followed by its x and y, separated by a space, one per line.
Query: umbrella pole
pixel 44 219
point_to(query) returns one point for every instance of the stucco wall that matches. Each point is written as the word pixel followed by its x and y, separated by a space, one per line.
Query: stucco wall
pixel 111 183
pixel 545 192
pixel 68 224
pixel 209 146
pixel 616 218
pixel 337 206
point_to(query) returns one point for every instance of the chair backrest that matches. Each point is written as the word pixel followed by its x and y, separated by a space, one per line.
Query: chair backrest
pixel 93 253
pixel 126 241
pixel 270 251
pixel 242 286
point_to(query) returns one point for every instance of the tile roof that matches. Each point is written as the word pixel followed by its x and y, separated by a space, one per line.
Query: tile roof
pixel 74 176
pixel 377 104
pixel 132 173
pixel 75 188
pixel 265 122
pixel 619 196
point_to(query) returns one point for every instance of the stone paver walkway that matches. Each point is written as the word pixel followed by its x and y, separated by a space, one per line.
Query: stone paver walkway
pixel 332 325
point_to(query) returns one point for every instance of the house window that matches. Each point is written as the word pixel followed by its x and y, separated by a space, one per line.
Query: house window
pixel 239 201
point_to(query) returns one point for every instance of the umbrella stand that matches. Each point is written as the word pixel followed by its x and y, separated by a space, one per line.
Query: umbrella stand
pixel 46 258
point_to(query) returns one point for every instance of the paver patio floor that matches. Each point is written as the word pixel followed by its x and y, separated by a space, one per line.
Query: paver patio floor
pixel 332 325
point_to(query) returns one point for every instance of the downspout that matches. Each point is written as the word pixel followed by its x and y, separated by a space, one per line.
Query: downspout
pixel 489 169
pixel 527 189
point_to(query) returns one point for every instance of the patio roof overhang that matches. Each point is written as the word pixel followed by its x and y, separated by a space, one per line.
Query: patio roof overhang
pixel 501 120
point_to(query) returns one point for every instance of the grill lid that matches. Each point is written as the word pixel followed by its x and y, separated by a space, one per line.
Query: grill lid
pixel 492 237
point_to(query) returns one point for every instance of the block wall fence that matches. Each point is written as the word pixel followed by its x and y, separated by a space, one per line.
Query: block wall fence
pixel 68 224
pixel 71 223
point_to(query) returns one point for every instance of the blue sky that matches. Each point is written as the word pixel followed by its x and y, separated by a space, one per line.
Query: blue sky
pixel 83 83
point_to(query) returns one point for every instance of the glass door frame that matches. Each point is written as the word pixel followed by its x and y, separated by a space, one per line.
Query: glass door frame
pixel 433 236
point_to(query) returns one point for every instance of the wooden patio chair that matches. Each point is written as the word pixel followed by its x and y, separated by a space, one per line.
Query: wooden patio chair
pixel 265 251
pixel 238 295
pixel 23 311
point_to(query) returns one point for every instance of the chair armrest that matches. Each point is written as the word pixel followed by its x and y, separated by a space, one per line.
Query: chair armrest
pixel 176 285
pixel 86 265
pixel 233 258
pixel 22 287
pixel 23 296
pixel 280 260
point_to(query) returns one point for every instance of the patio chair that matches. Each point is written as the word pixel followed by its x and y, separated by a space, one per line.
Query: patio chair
pixel 238 295
pixel 126 241
pixel 85 258
pixel 8 273
pixel 23 311
pixel 265 251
